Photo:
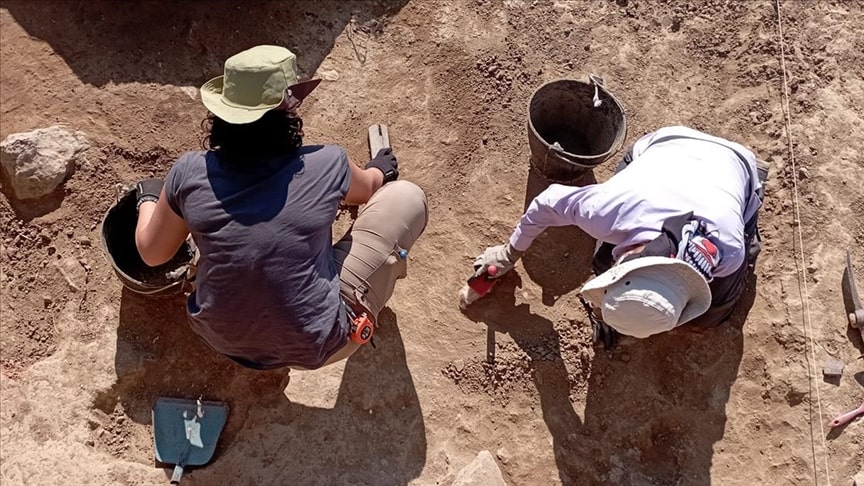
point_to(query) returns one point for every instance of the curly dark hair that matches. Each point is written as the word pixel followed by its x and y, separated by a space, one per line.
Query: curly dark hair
pixel 277 134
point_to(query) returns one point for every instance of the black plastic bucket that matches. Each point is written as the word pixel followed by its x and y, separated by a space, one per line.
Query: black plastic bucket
pixel 573 127
pixel 118 242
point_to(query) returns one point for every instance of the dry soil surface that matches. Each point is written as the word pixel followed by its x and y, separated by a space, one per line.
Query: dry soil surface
pixel 83 360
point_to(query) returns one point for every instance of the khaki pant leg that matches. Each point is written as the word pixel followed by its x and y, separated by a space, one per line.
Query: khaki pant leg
pixel 345 352
pixel 368 255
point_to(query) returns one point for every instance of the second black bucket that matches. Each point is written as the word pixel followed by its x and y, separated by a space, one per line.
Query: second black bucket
pixel 118 242
pixel 573 127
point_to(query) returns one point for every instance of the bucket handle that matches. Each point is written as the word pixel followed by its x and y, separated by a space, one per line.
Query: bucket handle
pixel 597 81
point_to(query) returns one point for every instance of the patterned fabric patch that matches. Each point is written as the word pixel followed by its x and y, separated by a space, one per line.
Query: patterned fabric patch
pixel 696 249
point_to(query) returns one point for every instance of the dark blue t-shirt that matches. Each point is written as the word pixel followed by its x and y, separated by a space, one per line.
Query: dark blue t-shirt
pixel 267 289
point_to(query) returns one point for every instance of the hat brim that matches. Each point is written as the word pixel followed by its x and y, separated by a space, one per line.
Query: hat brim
pixel 304 88
pixel 700 292
pixel 211 96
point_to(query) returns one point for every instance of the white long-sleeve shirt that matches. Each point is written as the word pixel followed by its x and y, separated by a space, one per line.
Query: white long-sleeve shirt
pixel 700 173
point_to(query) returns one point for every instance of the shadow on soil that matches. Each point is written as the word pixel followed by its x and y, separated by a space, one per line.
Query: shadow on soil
pixel 654 408
pixel 186 43
pixel 29 209
pixel 557 259
pixel 373 435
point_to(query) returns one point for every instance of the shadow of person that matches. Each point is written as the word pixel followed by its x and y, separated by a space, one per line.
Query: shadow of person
pixel 537 337
pixel 559 260
pixel 185 43
pixel 653 408
pixel 232 185
pixel 158 354
pixel 374 434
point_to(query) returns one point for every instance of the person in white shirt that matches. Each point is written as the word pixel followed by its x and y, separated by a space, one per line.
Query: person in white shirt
pixel 676 231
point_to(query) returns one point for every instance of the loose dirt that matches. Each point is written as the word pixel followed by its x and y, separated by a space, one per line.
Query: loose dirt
pixel 82 361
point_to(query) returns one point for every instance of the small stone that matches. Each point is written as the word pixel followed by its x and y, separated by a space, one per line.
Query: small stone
pixel 482 471
pixel 190 91
pixel 803 173
pixel 84 241
pixel 503 455
pixel 329 74
pixel 47 300
pixel 459 364
pixel 72 272
pixel 833 367
pixel 89 443
pixel 795 395
pixel 625 357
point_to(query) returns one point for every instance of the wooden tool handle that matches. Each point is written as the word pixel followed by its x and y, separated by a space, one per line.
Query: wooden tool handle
pixel 379 138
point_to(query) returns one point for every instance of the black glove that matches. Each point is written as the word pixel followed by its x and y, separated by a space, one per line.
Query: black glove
pixel 148 190
pixel 603 333
pixel 600 331
pixel 386 162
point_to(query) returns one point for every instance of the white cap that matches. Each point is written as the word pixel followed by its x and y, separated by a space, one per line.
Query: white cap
pixel 649 295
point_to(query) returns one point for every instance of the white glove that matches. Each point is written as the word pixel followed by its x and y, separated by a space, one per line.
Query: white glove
pixel 504 257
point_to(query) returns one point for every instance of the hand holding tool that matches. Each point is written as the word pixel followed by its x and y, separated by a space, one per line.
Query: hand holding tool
pixel 503 257
pixel 381 152
pixel 478 286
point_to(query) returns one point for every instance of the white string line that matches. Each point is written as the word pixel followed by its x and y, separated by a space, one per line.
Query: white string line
pixel 805 296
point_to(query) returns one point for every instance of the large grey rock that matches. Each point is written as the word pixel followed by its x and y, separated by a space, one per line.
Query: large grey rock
pixel 482 471
pixel 37 162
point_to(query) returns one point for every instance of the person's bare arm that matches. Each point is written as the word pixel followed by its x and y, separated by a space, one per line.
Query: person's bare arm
pixel 364 183
pixel 159 232
pixel 382 169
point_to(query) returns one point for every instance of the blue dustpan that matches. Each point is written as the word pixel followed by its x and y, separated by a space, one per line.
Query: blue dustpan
pixel 185 432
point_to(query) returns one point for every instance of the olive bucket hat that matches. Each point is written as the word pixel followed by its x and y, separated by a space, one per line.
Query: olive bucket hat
pixel 256 81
